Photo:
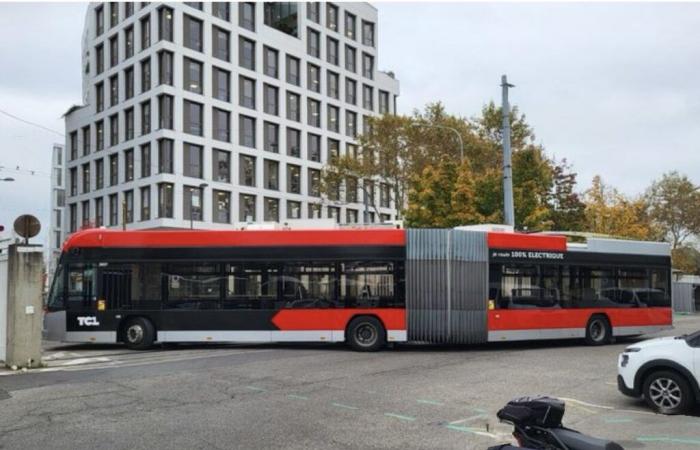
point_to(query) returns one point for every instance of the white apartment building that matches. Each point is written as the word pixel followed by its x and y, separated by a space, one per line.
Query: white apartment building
pixel 210 114
pixel 58 203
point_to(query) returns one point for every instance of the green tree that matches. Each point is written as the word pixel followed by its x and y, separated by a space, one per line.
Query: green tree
pixel 674 206
pixel 567 210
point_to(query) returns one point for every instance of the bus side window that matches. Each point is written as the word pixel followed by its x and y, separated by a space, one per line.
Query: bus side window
pixel 81 286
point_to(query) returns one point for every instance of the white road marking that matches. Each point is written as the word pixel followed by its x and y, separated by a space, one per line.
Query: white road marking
pixel 468 419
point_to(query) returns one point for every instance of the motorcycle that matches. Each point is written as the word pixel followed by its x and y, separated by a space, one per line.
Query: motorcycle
pixel 537 425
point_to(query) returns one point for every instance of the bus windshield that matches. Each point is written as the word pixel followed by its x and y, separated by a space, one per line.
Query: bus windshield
pixel 56 299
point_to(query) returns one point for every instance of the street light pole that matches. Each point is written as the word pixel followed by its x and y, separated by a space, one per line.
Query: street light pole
pixel 508 210
pixel 454 130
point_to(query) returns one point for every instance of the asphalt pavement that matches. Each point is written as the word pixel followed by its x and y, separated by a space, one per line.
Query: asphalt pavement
pixel 320 396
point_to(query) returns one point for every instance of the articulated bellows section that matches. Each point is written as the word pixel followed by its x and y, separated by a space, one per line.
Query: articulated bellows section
pixel 446 286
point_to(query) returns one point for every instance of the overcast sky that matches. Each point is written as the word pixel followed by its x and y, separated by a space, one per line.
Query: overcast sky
pixel 614 88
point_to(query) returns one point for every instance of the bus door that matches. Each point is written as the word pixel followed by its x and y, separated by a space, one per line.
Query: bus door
pixel 115 287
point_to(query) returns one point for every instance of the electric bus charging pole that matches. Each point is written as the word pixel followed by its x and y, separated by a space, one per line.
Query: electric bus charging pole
pixel 509 213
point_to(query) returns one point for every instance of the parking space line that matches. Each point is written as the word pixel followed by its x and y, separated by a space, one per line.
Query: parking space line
pixel 400 417
pixel 255 388
pixel 470 430
pixel 342 405
pixel 430 402
pixel 469 419
pixel 298 397
pixel 670 440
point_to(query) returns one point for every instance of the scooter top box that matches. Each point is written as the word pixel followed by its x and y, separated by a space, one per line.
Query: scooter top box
pixel 541 411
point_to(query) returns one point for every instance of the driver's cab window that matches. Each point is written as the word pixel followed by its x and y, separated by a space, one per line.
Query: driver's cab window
pixel 81 286
pixel 55 301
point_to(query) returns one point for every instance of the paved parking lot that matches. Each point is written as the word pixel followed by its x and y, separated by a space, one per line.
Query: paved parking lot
pixel 320 396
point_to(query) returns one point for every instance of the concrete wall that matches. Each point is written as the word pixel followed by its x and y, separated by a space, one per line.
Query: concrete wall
pixel 3 302
pixel 24 305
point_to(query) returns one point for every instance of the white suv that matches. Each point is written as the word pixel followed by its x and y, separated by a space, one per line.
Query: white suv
pixel 664 371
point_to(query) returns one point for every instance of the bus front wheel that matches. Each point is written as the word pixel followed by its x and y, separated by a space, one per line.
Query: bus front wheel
pixel 598 331
pixel 139 333
pixel 366 334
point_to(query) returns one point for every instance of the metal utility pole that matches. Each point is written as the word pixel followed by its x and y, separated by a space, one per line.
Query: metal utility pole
pixel 509 213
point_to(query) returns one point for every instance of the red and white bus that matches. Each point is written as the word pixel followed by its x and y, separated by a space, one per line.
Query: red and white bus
pixel 366 287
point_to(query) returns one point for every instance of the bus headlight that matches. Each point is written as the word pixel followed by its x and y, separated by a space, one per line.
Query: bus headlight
pixel 101 305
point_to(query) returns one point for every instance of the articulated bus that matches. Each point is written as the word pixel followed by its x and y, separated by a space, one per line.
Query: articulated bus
pixel 366 287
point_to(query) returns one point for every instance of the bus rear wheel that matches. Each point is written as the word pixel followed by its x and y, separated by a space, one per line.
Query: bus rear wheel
pixel 366 334
pixel 139 333
pixel 598 331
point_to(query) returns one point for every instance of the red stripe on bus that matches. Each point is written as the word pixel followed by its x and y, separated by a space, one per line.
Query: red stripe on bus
pixel 335 319
pixel 253 238
pixel 532 319
pixel 522 241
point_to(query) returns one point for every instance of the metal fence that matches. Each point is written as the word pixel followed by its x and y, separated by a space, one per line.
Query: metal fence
pixel 683 295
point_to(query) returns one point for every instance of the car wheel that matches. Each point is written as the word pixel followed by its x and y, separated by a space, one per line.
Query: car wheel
pixel 598 331
pixel 667 392
pixel 139 333
pixel 366 334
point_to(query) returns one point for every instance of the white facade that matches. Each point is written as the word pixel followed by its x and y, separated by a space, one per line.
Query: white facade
pixel 58 203
pixel 164 192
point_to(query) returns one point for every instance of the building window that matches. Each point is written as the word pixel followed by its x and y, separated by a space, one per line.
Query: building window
pixel 293 64
pixel 99 212
pixel 313 11
pixel 196 5
pixel 368 33
pixel 145 117
pixel 293 209
pixel 129 82
pixel 165 156
pixel 334 213
pixel 350 58
pixel 145 32
pixel 86 178
pixel 383 102
pixel 86 140
pixel 113 90
pixel 128 9
pixel 350 25
pixel 221 44
pixel 113 169
pixel 193 75
pixel 293 106
pixel 313 43
pixel 165 67
pixel 220 10
pixel 246 211
pixel 165 200
pixel 246 89
pixel 293 179
pixel 73 181
pixel 221 202
pixel 113 51
pixel 247 131
pixel 114 130
pixel 385 195
pixel 99 135
pixel 367 66
pixel 246 53
pixel 221 170
pixel 192 33
pixel 333 88
pixel 165 24
pixel 192 160
pixel 221 84
pixel 145 74
pixel 314 183
pixel 313 112
pixel 165 112
pixel 145 160
pixel 99 97
pixel 293 142
pixel 129 124
pixel 332 51
pixel 351 215
pixel 221 125
pixel 99 59
pixel 192 199
pixel 73 145
pixel 350 124
pixel 367 97
pixel 333 118
pixel 313 77
pixel 271 174
pixel 129 42
pixel 270 99
pixel 246 15
pixel 314 147
pixel 314 211
pixel 99 20
pixel 192 118
pixel 129 206
pixel 113 14
pixel 99 173
pixel 271 137
pixel 282 16
pixel 113 210
pixel 332 16
pixel 272 209
pixel 145 203
pixel 128 165
pixel 270 56
pixel 246 170
pixel 333 149
pixel 350 91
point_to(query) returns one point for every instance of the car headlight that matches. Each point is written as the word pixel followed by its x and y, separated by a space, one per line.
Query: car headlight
pixel 625 359
pixel 632 350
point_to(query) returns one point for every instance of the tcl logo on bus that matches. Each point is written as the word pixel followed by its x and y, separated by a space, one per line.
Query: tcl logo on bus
pixel 88 321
